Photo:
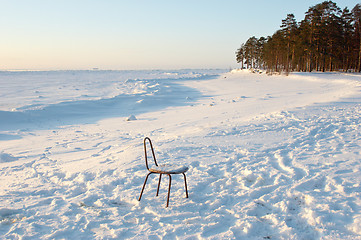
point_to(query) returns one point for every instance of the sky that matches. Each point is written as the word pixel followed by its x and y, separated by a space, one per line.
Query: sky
pixel 136 34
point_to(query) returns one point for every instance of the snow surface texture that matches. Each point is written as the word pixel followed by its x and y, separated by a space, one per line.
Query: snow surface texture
pixel 270 157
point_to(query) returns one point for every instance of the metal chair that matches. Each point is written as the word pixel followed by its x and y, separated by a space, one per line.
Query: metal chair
pixel 167 169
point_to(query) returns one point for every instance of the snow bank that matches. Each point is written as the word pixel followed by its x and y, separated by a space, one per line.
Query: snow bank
pixel 5 157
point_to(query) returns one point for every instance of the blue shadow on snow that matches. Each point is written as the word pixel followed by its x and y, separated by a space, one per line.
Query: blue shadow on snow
pixel 168 93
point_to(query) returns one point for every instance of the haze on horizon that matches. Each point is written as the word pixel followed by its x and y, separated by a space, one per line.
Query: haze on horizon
pixel 87 34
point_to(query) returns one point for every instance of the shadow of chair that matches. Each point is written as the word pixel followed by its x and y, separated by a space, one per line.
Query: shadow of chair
pixel 167 169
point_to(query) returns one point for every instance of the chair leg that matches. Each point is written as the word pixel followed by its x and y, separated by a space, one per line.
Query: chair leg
pixel 145 181
pixel 160 178
pixel 170 182
pixel 185 183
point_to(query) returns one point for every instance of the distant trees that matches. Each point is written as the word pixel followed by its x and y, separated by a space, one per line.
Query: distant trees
pixel 327 39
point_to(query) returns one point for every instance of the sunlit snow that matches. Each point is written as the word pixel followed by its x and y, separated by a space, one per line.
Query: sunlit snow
pixel 270 157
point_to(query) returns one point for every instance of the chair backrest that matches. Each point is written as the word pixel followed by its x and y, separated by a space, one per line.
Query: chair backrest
pixel 145 152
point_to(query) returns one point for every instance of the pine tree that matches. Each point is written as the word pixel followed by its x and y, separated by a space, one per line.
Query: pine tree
pixel 346 44
pixel 356 15
pixel 240 55
pixel 288 28
pixel 250 52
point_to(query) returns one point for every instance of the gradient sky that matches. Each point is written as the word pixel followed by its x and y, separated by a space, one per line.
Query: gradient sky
pixel 136 34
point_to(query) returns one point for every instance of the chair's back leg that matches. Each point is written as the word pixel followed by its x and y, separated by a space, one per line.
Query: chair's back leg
pixel 160 178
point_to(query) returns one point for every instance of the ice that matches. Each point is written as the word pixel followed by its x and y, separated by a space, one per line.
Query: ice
pixel 269 157
pixel 131 118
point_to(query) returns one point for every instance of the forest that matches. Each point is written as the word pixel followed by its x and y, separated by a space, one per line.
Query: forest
pixel 327 39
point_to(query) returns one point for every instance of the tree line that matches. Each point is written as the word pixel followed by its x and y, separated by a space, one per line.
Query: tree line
pixel 327 39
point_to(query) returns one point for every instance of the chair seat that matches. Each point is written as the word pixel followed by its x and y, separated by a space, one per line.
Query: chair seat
pixel 169 169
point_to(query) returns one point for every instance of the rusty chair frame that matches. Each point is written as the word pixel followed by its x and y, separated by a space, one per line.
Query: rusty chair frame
pixel 159 170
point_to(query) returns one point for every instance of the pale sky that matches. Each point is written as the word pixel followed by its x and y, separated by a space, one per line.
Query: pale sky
pixel 136 34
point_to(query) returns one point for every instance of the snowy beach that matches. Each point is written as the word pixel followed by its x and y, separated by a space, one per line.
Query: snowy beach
pixel 270 157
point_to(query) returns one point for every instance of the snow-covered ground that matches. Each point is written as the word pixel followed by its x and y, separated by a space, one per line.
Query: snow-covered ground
pixel 270 157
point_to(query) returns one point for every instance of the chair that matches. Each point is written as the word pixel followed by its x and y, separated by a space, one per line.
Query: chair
pixel 167 169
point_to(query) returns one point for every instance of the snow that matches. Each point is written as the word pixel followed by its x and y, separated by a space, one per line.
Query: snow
pixel 131 118
pixel 269 157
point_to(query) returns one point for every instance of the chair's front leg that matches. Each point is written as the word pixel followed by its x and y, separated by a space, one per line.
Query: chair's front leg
pixel 145 181
pixel 185 182
pixel 170 182
pixel 160 178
